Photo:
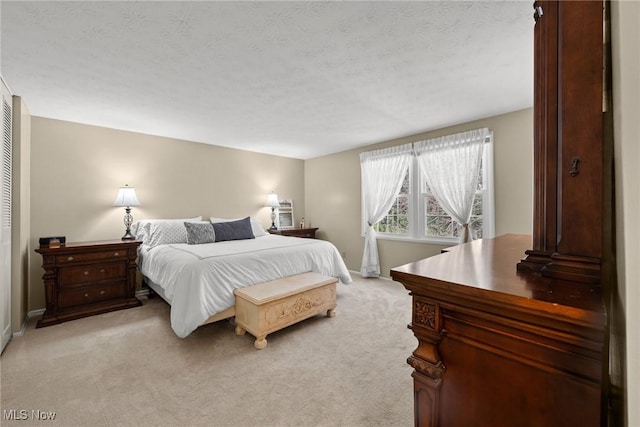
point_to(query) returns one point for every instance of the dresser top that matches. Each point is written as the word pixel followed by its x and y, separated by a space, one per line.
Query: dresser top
pixel 485 270
pixel 95 244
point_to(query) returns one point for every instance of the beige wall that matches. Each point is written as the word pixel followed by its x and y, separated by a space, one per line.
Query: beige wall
pixel 20 208
pixel 626 108
pixel 76 171
pixel 332 188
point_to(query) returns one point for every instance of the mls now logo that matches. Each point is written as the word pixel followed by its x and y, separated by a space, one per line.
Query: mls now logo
pixel 15 414
pixel 43 415
pixel 23 414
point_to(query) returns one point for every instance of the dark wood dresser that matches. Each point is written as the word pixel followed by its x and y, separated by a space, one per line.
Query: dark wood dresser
pixel 515 331
pixel 86 278
pixel 502 348
pixel 309 233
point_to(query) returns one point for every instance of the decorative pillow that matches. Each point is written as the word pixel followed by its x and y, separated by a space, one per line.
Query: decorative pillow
pixel 142 228
pixel 233 230
pixel 166 233
pixel 256 227
pixel 199 233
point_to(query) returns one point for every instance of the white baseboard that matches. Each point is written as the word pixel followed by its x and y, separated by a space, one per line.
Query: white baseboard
pixel 379 277
pixel 355 272
pixel 39 312
pixel 32 313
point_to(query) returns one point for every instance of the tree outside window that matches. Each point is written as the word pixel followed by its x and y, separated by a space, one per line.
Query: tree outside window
pixel 397 220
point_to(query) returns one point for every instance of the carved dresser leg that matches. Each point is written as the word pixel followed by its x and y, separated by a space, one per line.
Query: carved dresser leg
pixel 429 368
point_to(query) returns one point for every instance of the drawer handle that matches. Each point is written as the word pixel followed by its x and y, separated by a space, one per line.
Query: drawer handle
pixel 70 258
pixel 116 254
pixel 102 292
pixel 86 295
pixel 102 270
pixel 86 273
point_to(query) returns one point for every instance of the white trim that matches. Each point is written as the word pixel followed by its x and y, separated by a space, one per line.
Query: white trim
pixel 142 293
pixel 28 317
pixel 389 279
pixel 372 278
pixel 6 212
pixel 444 241
pixel 488 199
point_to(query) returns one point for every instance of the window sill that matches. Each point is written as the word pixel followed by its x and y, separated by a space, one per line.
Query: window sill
pixel 431 241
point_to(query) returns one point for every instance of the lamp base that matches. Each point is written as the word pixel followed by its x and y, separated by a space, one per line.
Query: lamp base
pixel 273 219
pixel 128 236
pixel 128 220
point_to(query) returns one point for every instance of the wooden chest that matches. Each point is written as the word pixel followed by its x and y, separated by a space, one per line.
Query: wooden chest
pixel 86 278
pixel 270 306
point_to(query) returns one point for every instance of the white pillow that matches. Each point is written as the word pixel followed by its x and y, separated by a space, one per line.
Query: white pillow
pixel 256 227
pixel 142 228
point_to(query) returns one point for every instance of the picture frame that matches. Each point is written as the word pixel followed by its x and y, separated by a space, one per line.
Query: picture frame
pixel 284 215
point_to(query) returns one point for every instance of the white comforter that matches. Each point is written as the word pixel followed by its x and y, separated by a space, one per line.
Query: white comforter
pixel 198 280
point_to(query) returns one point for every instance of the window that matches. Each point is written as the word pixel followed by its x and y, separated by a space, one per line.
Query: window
pixel 416 215
pixel 438 224
pixel 397 220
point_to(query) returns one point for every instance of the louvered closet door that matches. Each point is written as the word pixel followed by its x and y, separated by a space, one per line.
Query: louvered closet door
pixel 5 219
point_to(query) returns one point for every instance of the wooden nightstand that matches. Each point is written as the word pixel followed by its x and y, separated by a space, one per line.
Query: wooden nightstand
pixel 86 278
pixel 309 233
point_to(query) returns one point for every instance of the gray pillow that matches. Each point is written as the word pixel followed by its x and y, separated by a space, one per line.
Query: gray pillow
pixel 233 230
pixel 199 232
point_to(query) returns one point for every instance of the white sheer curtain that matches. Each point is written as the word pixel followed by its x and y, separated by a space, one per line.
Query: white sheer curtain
pixel 450 166
pixel 383 172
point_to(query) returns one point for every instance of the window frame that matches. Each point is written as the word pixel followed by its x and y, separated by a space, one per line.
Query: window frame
pixel 418 206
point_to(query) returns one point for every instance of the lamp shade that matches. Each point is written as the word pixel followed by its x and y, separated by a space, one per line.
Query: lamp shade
pixel 272 200
pixel 126 197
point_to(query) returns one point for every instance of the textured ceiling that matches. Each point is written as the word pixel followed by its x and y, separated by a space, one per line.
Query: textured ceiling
pixel 297 79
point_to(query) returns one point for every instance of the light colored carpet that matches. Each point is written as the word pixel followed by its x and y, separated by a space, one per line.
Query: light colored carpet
pixel 128 368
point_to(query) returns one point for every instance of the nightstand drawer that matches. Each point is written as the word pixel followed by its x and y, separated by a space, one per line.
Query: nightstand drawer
pixel 308 235
pixel 90 295
pixel 91 273
pixel 91 256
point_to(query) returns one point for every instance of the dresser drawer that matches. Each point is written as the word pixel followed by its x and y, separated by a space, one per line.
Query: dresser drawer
pixel 90 295
pixel 91 273
pixel 82 257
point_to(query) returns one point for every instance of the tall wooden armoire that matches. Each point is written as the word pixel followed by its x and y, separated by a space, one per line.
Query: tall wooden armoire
pixel 512 331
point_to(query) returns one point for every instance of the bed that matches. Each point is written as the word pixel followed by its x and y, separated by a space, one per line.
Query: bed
pixel 198 279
